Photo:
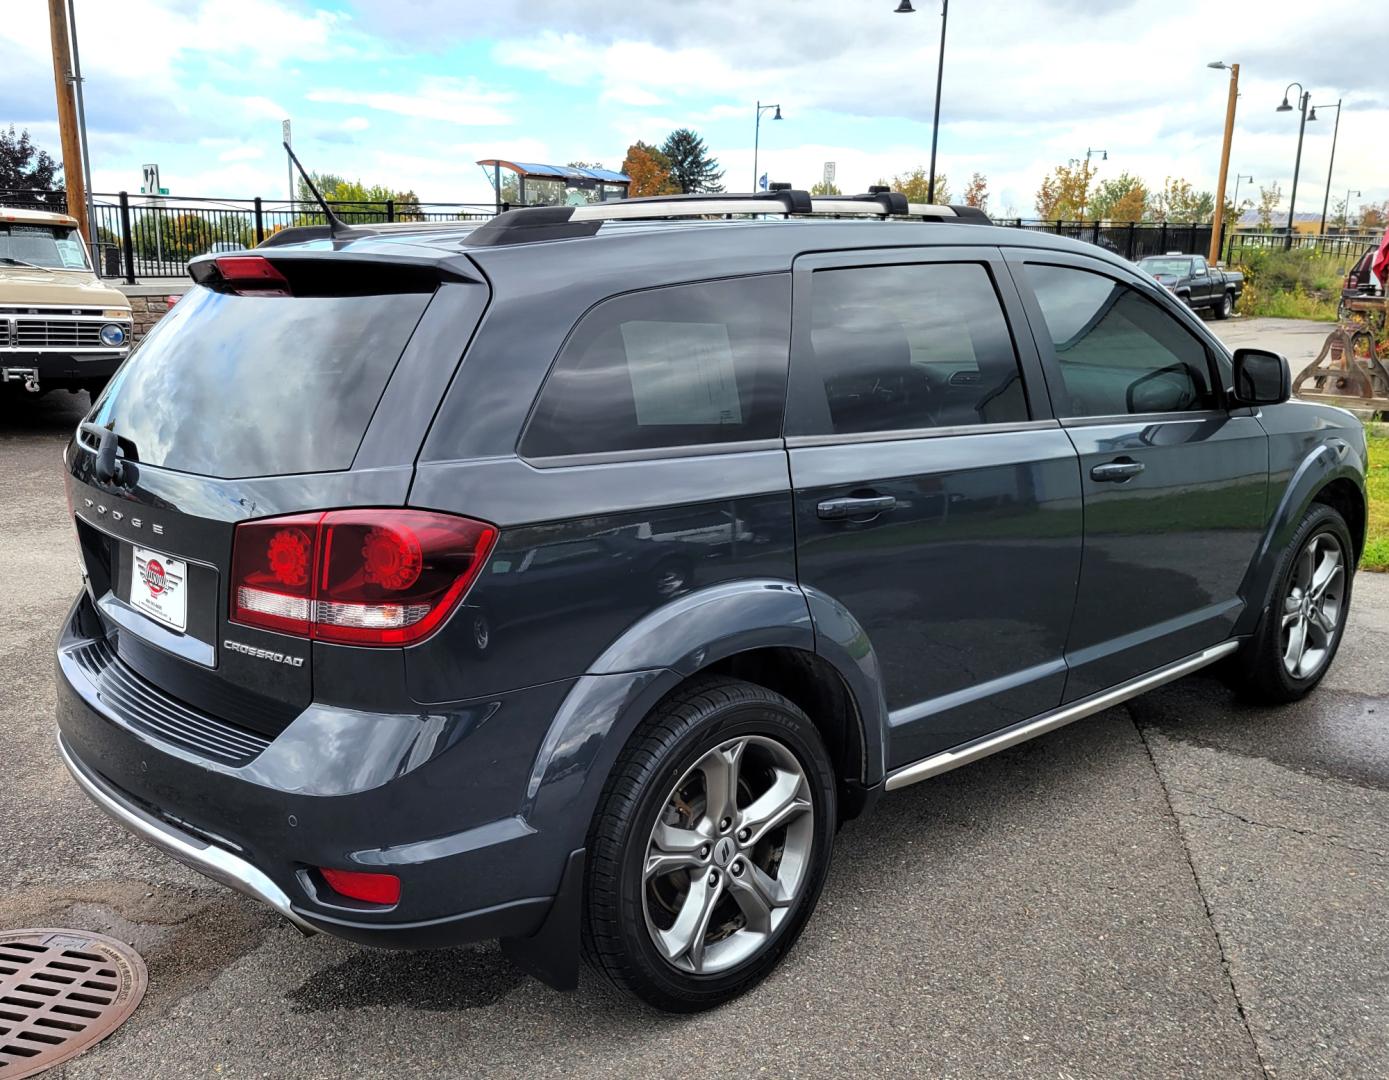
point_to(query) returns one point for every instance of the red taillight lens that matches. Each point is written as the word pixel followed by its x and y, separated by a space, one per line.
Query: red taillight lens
pixel 356 885
pixel 363 577
pixel 252 275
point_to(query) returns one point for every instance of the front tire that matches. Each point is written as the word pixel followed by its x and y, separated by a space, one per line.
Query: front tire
pixel 710 846
pixel 1302 626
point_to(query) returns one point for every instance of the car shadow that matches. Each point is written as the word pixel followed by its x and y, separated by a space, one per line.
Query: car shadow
pixel 55 412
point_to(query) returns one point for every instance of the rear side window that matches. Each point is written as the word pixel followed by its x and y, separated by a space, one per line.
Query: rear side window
pixel 1119 352
pixel 234 386
pixel 686 365
pixel 906 347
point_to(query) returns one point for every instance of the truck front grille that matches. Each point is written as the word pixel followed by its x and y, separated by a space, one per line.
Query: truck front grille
pixel 54 334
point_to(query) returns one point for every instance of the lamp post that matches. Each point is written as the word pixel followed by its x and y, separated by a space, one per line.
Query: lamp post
pixel 757 135
pixel 905 8
pixel 1235 201
pixel 1349 193
pixel 1303 99
pixel 1085 194
pixel 1335 131
pixel 1218 220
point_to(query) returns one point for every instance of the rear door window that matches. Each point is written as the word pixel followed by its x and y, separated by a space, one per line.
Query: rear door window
pixel 684 365
pixel 237 386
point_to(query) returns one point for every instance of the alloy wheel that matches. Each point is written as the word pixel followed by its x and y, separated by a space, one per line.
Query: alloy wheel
pixel 728 855
pixel 1313 606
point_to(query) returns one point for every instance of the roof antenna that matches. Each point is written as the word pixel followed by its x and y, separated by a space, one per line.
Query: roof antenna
pixel 337 228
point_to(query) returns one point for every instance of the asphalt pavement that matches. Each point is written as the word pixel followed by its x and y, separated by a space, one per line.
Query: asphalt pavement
pixel 1184 886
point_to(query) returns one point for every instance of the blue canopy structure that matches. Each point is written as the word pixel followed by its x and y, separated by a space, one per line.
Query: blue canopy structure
pixel 554 185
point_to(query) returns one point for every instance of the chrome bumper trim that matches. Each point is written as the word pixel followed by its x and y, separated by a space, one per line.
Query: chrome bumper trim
pixel 213 862
pixel 971 752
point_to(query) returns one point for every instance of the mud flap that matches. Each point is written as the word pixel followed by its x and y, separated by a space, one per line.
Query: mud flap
pixel 551 954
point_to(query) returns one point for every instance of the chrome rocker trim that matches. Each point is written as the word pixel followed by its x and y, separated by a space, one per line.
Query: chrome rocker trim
pixel 970 752
pixel 213 862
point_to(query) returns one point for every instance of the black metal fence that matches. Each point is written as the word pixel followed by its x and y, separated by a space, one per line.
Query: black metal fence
pixel 1133 240
pixel 139 237
pixel 1345 248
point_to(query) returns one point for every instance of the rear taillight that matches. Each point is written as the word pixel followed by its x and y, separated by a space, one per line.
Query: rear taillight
pixel 1353 280
pixel 362 577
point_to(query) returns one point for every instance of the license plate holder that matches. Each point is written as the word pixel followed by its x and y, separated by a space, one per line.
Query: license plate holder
pixel 159 587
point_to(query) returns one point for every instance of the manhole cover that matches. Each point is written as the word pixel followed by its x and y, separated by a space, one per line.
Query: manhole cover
pixel 61 991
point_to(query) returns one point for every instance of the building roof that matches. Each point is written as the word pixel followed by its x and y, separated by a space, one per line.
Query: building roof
pixel 532 171
pixel 1279 218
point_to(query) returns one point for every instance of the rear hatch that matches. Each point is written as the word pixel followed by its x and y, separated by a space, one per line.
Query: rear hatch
pixel 292 388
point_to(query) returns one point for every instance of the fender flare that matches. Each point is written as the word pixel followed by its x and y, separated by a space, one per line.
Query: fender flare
pixel 664 648
pixel 1331 460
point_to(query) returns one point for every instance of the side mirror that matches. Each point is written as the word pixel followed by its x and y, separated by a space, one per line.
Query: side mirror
pixel 1261 378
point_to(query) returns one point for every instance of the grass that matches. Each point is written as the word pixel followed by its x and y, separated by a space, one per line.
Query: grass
pixel 1297 284
pixel 1376 555
pixel 1291 304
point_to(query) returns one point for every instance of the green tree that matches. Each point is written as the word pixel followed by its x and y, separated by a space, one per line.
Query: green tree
pixel 354 201
pixel 1269 198
pixel 1065 194
pixel 825 187
pixel 1120 198
pixel 691 167
pixel 24 166
pixel 649 170
pixel 1178 201
pixel 915 184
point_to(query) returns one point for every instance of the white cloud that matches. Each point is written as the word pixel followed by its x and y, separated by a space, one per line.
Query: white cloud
pixel 242 153
pixel 355 123
pixel 441 98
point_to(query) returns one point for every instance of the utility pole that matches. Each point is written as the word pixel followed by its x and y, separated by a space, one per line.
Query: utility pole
pixel 67 117
pixel 1218 222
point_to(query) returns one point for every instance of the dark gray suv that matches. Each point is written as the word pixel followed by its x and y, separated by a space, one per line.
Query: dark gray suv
pixel 570 578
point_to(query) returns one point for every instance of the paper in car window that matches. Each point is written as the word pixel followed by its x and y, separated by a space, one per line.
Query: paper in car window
pixel 70 251
pixel 682 373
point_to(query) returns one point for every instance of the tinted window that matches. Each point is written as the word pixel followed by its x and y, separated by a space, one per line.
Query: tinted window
pixel 1119 352
pixel 234 386
pixel 918 346
pixel 681 366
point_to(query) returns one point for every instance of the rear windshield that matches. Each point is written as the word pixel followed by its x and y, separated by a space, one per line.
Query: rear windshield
pixel 234 386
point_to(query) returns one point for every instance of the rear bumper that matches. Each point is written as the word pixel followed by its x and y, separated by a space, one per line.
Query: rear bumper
pixel 468 871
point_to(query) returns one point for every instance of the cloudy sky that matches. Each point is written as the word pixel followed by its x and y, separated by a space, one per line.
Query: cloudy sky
pixel 410 93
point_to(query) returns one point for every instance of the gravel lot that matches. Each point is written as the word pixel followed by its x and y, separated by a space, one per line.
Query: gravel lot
pixel 1184 886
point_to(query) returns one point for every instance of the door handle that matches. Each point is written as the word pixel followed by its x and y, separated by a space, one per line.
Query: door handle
pixel 853 507
pixel 1116 472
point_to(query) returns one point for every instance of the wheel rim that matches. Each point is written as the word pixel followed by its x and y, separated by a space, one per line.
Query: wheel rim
pixel 728 856
pixel 482 633
pixel 1313 606
pixel 670 581
pixel 1228 305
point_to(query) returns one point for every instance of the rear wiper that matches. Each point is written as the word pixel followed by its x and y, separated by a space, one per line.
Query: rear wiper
pixel 27 265
pixel 109 468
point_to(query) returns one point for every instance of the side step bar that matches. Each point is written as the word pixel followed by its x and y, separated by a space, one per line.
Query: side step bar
pixel 1059 718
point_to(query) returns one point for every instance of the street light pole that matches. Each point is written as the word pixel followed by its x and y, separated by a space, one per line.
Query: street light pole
pixel 757 136
pixel 1335 131
pixel 905 8
pixel 1085 193
pixel 1235 200
pixel 1218 221
pixel 1303 101
pixel 1349 193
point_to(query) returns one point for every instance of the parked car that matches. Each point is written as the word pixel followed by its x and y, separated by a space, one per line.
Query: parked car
pixel 224 247
pixel 1360 283
pixel 767 516
pixel 60 327
pixel 1195 283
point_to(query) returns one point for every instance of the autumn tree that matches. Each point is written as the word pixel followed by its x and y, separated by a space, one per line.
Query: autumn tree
pixel 1065 193
pixel 1120 198
pixel 825 187
pixel 977 192
pixel 1374 215
pixel 24 166
pixel 1269 198
pixel 915 184
pixel 1338 214
pixel 691 167
pixel 649 170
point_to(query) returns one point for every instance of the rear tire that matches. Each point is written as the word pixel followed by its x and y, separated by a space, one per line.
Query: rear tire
pixel 693 896
pixel 1302 626
pixel 1226 307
